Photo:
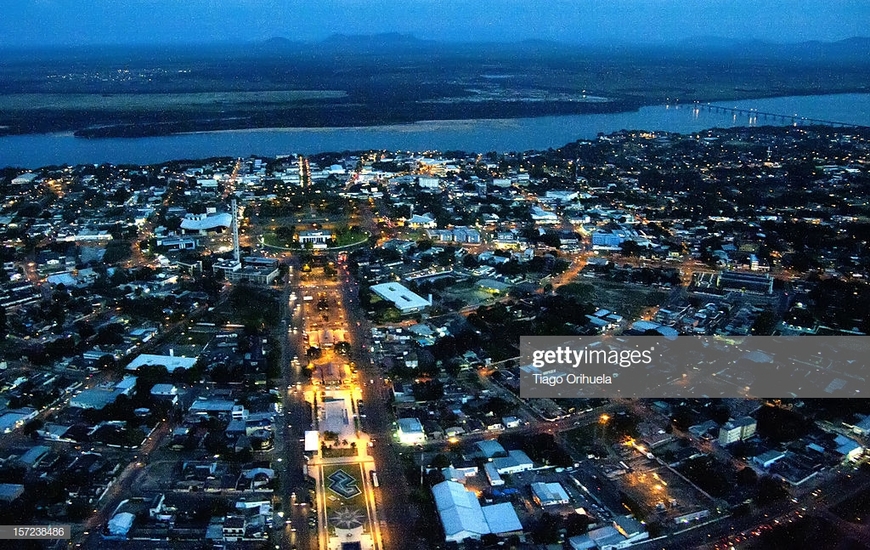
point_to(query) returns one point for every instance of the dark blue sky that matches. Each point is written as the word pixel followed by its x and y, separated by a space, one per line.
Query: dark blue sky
pixel 34 22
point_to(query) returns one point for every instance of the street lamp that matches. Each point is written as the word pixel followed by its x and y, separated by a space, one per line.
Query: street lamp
pixel 602 421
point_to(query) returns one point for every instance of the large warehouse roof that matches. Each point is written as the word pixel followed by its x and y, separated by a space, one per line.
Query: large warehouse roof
pixel 460 511
pixel 402 298
pixel 463 517
pixel 171 362
pixel 502 518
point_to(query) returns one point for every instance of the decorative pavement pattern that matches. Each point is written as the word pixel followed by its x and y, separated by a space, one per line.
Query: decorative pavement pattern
pixel 343 484
pixel 347 518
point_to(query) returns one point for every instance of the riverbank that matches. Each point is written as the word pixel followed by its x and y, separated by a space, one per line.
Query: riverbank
pixel 366 116
pixel 503 135
pixel 300 115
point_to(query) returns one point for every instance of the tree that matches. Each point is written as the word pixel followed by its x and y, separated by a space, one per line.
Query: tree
pixel 720 414
pixel 2 322
pixel 440 461
pixel 765 323
pixel 770 490
pixel 576 524
pixel 747 477
pixel 85 329
pixel 546 531
pixel 285 234
pixel 106 361
pixel 342 348
pixel 32 427
pixel 429 390
pixel 630 248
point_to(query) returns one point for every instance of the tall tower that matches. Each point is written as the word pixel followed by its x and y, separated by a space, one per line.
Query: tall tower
pixel 236 254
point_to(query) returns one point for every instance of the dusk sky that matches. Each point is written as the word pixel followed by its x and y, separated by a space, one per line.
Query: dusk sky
pixel 35 22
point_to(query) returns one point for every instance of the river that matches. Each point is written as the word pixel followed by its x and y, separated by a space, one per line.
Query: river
pixel 520 134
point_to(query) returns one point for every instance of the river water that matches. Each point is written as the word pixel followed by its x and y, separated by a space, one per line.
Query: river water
pixel 521 134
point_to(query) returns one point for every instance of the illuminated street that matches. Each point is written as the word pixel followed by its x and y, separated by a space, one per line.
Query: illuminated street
pixel 342 468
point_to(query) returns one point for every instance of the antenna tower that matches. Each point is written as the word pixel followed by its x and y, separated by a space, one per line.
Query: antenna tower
pixel 236 253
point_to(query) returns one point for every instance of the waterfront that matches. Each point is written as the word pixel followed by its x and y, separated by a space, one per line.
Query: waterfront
pixel 521 134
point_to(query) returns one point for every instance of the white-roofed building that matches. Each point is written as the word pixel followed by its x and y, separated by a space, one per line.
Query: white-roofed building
pixel 34 455
pixel 603 538
pixel 541 216
pixel 848 448
pixel 164 390
pixel 100 396
pixel 212 406
pixel 202 223
pixel 492 474
pixel 490 448
pixel 460 512
pixel 549 494
pixel 171 362
pixel 766 459
pixel 459 473
pixel 411 432
pixel 24 178
pixel 312 441
pixel 314 236
pixel 511 422
pixel 514 462
pixel 14 419
pixel 403 299
pixel 10 491
pixel 54 432
pixel 624 532
pixel 862 427
pixel 425 221
pixel 502 519
pixel 120 524
pixel 464 518
pixel 561 195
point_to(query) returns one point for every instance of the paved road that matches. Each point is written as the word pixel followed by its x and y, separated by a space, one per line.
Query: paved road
pixel 729 531
pixel 293 423
pixel 393 495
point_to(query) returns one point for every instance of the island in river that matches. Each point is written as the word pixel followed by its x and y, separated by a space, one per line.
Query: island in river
pixel 394 79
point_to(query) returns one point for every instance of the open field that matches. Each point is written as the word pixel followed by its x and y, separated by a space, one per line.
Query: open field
pixel 158 102
pixel 628 302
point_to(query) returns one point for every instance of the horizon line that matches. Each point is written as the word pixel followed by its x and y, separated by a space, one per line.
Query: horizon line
pixel 710 39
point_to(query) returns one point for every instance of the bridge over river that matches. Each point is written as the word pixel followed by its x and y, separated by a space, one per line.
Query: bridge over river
pixel 757 115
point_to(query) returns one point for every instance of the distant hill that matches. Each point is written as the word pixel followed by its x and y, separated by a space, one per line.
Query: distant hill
pixel 374 42
pixel 850 49
pixel 280 42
